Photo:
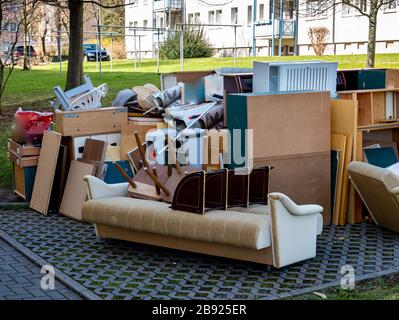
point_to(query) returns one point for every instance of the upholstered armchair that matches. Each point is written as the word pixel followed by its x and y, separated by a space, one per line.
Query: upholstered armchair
pixel 379 190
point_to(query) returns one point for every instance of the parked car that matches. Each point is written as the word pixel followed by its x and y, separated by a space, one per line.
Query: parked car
pixel 92 52
pixel 19 52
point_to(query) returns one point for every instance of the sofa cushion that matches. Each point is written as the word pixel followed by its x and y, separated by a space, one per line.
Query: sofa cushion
pixel 237 229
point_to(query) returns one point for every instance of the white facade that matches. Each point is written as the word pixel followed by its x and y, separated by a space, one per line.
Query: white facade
pixel 348 28
pixel 351 30
pixel 154 13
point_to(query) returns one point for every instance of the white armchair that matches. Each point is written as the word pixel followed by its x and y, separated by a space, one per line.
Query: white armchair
pixel 294 229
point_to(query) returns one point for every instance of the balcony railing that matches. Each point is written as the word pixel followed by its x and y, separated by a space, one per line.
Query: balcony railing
pixel 266 28
pixel 161 5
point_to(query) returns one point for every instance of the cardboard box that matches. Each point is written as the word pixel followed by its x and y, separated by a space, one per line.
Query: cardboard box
pixel 290 132
pixel 90 122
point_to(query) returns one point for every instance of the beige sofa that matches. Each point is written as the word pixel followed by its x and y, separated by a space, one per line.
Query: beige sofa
pixel 379 190
pixel 280 234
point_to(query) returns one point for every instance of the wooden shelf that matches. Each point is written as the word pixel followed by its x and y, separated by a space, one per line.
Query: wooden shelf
pixel 382 126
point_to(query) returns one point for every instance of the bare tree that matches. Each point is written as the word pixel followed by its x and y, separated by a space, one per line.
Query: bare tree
pixel 10 28
pixel 366 8
pixel 319 38
pixel 31 15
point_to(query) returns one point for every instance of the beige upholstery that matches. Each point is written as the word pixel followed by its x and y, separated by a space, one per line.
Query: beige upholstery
pixel 232 228
pixel 379 190
pixel 265 209
pixel 280 234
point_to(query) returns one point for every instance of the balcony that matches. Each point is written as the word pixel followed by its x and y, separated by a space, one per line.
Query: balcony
pixel 168 5
pixel 265 28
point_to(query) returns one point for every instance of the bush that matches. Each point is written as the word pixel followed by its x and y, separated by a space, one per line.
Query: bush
pixel 196 45
pixel 319 39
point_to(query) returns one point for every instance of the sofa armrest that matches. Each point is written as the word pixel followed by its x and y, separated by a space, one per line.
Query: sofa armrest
pixel 294 230
pixel 395 191
pixel 295 209
pixel 98 189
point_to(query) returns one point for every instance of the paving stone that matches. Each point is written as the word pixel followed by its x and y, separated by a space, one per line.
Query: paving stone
pixel 20 279
pixel 122 270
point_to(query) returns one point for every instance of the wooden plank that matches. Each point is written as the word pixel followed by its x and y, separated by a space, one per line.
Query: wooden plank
pixel 45 172
pixel 379 107
pixel 19 181
pixel 75 190
pixel 365 109
pixel 113 153
pixel 94 150
pixel 392 78
pixel 345 180
pixel 338 143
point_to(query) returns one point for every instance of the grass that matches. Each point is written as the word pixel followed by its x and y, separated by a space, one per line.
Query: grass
pixel 33 90
pixel 384 288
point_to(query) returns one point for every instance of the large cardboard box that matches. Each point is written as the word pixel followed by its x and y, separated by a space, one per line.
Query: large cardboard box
pixel 291 132
pixel 89 122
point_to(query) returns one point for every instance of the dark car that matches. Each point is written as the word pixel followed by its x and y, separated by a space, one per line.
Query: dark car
pixel 92 52
pixel 19 52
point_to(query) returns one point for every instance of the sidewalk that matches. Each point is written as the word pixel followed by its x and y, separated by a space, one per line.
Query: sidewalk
pixel 20 279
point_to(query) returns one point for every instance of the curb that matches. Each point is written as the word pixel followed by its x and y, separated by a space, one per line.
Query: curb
pixel 14 205
pixel 59 275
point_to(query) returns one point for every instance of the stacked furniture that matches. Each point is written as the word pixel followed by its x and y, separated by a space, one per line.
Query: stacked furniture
pixel 24 159
pixel 365 117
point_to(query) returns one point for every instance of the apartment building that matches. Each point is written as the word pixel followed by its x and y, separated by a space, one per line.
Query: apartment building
pixel 260 23
pixel 348 27
pixel 260 18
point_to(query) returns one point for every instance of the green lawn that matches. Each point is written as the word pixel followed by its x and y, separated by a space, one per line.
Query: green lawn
pixel 33 90
pixel 30 88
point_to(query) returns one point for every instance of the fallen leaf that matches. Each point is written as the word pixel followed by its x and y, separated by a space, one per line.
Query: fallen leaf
pixel 321 295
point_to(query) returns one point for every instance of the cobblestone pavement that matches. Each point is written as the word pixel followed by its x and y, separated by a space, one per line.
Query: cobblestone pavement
pixel 20 279
pixel 123 270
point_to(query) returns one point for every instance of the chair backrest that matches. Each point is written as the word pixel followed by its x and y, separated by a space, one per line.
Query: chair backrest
pixel 374 186
pixel 66 99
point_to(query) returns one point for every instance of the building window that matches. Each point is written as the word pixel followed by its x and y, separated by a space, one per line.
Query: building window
pixel 190 18
pixel 145 23
pixel 234 15
pixel 211 17
pixel 390 6
pixel 346 10
pixel 218 16
pixel 249 15
pixel 362 5
pixel 197 17
pixel 261 12
pixel 161 25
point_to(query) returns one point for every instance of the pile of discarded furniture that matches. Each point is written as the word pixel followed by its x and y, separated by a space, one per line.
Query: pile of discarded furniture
pixel 214 162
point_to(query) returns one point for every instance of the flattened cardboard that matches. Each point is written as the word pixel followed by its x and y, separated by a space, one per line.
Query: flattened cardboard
pixel 304 178
pixel 75 192
pixel 45 172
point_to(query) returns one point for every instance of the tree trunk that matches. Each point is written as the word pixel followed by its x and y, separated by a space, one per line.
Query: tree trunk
pixel 371 38
pixel 43 38
pixel 75 56
pixel 25 51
